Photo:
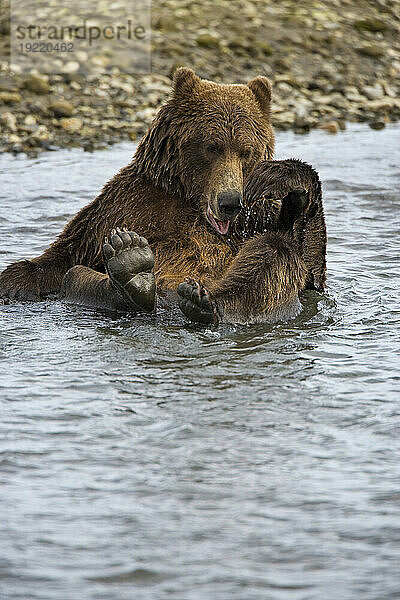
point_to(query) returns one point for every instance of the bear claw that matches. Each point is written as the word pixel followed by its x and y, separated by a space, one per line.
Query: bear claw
pixel 196 304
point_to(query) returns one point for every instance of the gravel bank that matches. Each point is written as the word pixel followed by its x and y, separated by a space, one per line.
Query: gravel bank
pixel 330 62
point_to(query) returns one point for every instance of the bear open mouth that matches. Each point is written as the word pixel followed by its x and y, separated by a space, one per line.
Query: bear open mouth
pixel 221 226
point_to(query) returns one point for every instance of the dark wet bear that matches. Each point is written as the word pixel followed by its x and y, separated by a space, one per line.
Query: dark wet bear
pixel 202 209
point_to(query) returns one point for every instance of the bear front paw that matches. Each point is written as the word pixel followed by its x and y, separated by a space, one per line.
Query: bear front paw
pixel 196 304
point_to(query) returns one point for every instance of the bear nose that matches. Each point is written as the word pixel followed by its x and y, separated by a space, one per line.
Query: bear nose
pixel 229 203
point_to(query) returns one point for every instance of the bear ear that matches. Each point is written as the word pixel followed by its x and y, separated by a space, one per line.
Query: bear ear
pixel 185 80
pixel 261 88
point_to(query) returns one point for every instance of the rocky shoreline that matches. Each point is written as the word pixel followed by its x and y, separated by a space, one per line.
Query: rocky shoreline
pixel 330 62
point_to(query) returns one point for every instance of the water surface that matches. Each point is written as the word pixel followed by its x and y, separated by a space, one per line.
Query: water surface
pixel 149 458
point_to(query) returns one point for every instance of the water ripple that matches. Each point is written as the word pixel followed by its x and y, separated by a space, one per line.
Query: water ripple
pixel 150 458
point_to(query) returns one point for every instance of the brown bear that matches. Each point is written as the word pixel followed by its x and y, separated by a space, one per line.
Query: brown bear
pixel 202 215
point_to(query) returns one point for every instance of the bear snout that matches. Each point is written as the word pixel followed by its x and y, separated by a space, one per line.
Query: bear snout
pixel 229 204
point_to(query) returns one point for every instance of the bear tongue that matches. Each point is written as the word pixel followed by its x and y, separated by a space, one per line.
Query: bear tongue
pixel 221 226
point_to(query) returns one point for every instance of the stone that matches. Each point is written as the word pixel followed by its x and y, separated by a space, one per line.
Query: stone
pixel 264 47
pixel 122 85
pixel 373 92
pixel 330 127
pixel 14 139
pixel 283 89
pixel 9 121
pixel 71 125
pixel 389 90
pixel 72 66
pixel 30 120
pixel 100 61
pixel 336 100
pixel 10 97
pixel 371 50
pixel 38 106
pixel 281 64
pixel 206 40
pixel 146 115
pixel 353 95
pixel 37 84
pixel 374 25
pixel 302 120
pixel 166 23
pixel 88 132
pixel 41 134
pixel 377 124
pixel 61 108
pixel 290 80
pixel 382 104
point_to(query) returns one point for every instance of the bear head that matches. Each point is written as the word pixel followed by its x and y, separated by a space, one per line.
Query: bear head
pixel 205 142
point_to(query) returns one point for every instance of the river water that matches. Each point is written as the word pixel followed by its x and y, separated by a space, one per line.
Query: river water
pixel 149 458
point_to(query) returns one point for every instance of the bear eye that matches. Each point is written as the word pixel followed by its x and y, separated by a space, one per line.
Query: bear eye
pixel 214 148
pixel 246 153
